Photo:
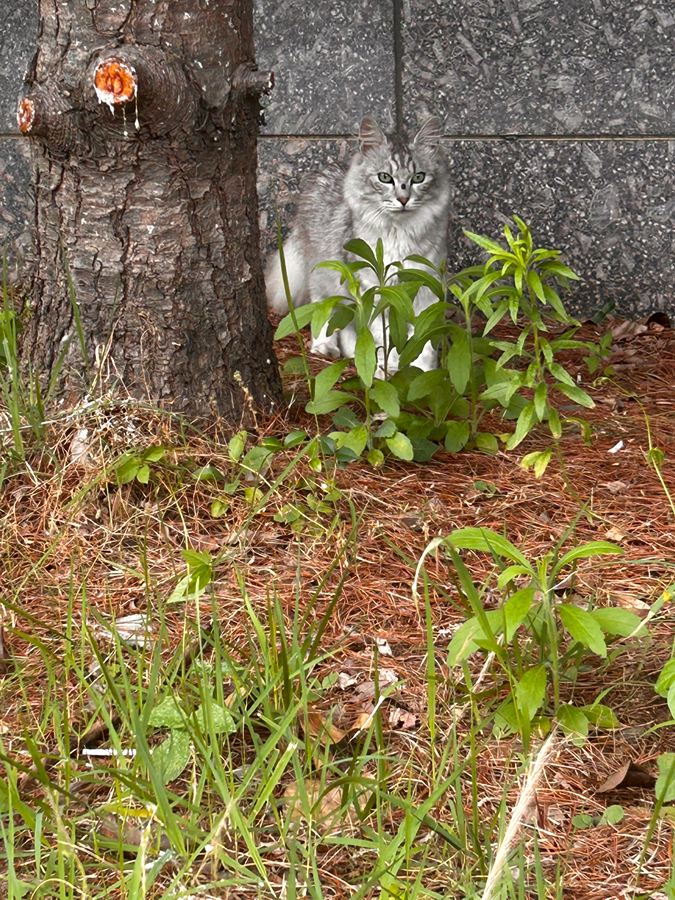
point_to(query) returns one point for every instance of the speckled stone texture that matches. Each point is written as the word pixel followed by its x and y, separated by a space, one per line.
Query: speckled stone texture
pixel 609 206
pixel 333 62
pixel 16 214
pixel 541 67
pixel 18 28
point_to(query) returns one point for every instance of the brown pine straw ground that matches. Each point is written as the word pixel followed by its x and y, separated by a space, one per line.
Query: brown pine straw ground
pixel 51 527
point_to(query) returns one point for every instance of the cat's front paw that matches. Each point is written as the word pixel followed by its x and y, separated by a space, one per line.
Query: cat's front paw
pixel 327 347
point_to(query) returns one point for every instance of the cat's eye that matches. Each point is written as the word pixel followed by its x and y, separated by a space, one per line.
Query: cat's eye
pixel 418 177
pixel 385 177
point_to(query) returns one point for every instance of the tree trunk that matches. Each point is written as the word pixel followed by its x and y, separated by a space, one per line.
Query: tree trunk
pixel 143 119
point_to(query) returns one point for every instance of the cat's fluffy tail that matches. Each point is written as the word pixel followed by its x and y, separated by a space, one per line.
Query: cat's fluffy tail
pixel 296 269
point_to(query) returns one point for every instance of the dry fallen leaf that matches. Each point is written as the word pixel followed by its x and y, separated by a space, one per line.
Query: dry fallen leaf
pixel 402 718
pixel 616 534
pixel 319 727
pixel 386 678
pixel 324 805
pixel 116 829
pixel 362 720
pixel 80 449
pixel 630 774
pixel 383 647
pixel 616 487
pixel 346 680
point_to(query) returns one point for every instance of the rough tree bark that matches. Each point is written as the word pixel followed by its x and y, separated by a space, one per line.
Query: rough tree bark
pixel 143 119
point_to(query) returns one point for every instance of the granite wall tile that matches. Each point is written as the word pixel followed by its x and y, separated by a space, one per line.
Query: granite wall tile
pixel 18 29
pixel 282 166
pixel 541 67
pixel 333 62
pixel 608 205
pixel 16 216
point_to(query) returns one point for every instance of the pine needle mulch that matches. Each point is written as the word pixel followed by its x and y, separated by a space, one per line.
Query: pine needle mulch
pixel 66 526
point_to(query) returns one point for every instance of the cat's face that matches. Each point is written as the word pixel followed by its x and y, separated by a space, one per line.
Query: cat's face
pixel 397 178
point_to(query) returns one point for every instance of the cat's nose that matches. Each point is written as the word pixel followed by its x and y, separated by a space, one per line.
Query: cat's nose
pixel 402 200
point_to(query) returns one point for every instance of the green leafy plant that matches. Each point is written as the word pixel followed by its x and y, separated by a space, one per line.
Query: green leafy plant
pixel 537 639
pixel 134 465
pixel 173 754
pixel 374 429
pixel 409 413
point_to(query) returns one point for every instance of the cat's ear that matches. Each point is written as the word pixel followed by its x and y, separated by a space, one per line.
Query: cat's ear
pixel 430 133
pixel 370 135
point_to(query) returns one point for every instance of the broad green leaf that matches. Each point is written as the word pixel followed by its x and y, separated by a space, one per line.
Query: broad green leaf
pixel 375 458
pixel 458 362
pixel 526 420
pixel 554 422
pixel 327 377
pixel 535 284
pixel 515 609
pixel 614 620
pixel 600 716
pixel 127 471
pixel 400 446
pixel 576 394
pixel 540 397
pixel 220 718
pixel 386 396
pixel 195 559
pixel 537 461
pixel 154 453
pixel 387 429
pixel 423 449
pixel 294 366
pixel 294 438
pixel 359 248
pixel 219 508
pixel 511 572
pixel 365 356
pixel 456 435
pixel 486 243
pixel 172 755
pixel 573 721
pixel 670 698
pixel 488 541
pixel 592 548
pixel 257 460
pixel 583 628
pixel 237 445
pixel 167 714
pixel 423 384
pixel 303 315
pixel 463 642
pixel 487 442
pixel 531 691
pixel 355 439
pixel 666 678
pixel 208 473
pixel 665 783
pixel 330 401
pixel 562 375
pixel 143 475
pixel 612 815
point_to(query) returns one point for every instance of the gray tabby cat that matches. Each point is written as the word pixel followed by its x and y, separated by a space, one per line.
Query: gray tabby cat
pixel 393 190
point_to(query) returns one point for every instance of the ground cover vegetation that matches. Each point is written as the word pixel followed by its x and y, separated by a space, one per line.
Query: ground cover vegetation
pixel 412 639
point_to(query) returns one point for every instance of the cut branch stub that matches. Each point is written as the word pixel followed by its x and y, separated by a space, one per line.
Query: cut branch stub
pixel 25 115
pixel 45 113
pixel 115 82
pixel 152 81
pixel 249 80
